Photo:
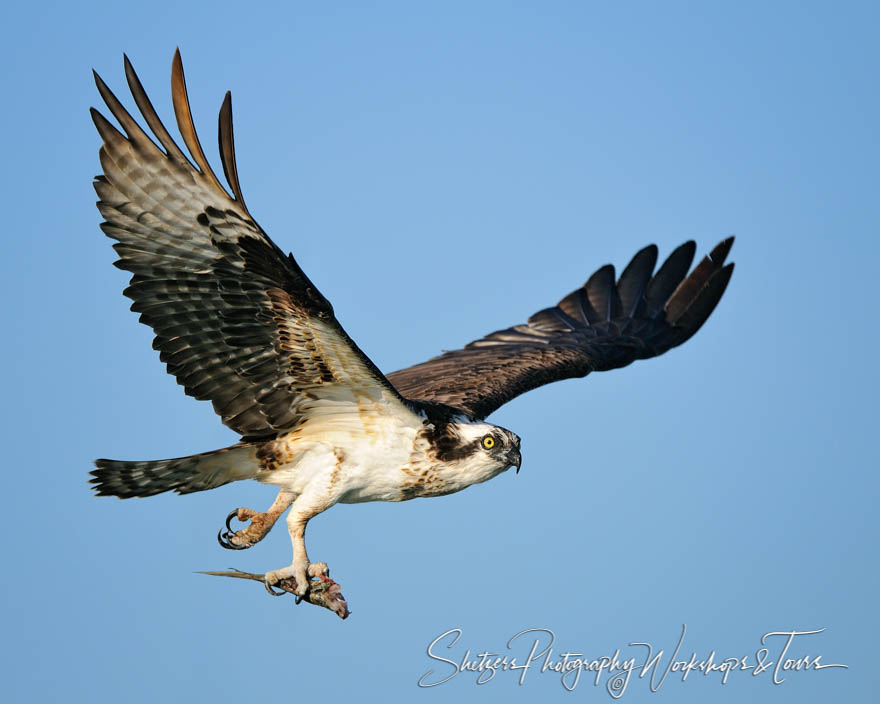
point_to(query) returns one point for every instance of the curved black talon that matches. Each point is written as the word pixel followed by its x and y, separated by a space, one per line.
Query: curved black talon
pixel 232 513
pixel 223 539
pixel 273 592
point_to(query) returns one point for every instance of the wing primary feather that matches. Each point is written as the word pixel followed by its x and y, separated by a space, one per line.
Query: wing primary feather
pixel 105 128
pixel 149 112
pixel 668 277
pixel 594 301
pixel 227 148
pixel 185 122
pixel 131 127
pixel 692 319
pixel 634 280
pixel 687 291
pixel 602 294
pixel 575 305
pixel 721 250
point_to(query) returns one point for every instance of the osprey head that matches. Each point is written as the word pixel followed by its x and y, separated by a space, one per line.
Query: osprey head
pixel 469 452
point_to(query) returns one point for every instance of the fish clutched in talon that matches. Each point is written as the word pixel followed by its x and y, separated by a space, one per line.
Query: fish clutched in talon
pixel 323 591
pixel 299 574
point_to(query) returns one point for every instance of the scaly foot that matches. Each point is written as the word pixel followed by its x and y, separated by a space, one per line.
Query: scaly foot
pixel 299 572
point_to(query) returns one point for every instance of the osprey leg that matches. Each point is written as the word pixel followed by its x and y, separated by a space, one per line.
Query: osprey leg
pixel 300 569
pixel 260 523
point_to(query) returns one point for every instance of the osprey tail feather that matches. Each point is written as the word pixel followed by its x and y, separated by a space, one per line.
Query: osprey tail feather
pixel 184 475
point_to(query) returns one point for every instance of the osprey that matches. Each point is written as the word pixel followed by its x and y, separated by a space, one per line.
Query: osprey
pixel 237 322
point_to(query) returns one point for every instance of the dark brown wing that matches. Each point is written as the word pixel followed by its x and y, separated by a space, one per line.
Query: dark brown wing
pixel 236 320
pixel 603 325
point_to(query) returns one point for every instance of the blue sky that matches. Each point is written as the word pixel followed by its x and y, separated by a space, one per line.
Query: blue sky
pixel 442 171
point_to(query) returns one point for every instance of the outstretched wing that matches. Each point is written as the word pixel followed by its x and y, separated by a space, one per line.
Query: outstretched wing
pixel 236 320
pixel 603 325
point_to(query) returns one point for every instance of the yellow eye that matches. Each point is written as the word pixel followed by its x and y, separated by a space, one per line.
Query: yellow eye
pixel 488 442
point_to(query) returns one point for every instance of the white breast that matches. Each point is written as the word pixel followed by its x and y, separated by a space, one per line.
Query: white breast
pixel 348 453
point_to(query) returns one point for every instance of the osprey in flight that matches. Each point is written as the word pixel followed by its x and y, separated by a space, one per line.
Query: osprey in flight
pixel 237 322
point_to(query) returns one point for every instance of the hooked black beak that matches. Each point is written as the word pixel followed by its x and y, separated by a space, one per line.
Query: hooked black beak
pixel 515 458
